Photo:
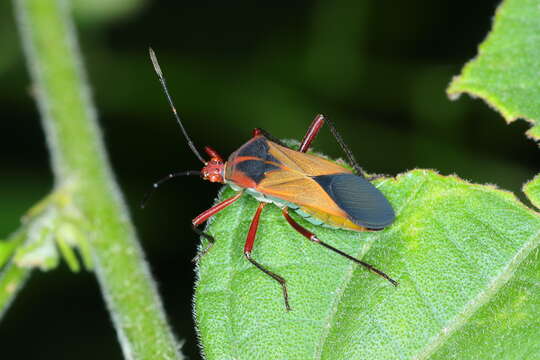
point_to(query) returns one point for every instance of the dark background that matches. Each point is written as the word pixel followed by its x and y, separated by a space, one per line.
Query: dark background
pixel 378 68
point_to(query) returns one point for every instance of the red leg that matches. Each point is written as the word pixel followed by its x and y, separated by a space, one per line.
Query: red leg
pixel 314 128
pixel 205 215
pixel 266 134
pixel 312 237
pixel 247 252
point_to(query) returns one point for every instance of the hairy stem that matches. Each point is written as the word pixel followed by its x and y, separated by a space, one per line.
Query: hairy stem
pixel 78 156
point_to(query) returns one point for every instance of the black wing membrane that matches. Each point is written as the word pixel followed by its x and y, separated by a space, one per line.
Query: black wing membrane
pixel 364 203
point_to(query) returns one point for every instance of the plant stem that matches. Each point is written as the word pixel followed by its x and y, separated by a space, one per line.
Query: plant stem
pixel 12 277
pixel 78 156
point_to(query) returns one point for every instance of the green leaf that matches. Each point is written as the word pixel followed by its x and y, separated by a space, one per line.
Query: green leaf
pixel 508 327
pixel 505 72
pixel 6 250
pixel 532 190
pixel 505 75
pixel 453 248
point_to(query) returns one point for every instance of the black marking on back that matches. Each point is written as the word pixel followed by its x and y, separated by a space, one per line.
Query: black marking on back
pixel 271 158
pixel 256 169
pixel 364 203
pixel 257 148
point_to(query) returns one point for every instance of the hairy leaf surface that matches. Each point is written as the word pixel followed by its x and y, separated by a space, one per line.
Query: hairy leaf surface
pixel 455 248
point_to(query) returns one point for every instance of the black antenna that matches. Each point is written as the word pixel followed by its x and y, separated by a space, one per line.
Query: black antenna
pixel 159 73
pixel 165 179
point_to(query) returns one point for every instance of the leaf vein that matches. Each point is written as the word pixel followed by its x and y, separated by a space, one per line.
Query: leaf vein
pixel 482 297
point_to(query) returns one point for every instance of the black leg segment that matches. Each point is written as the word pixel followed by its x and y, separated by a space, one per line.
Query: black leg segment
pixel 312 237
pixel 248 247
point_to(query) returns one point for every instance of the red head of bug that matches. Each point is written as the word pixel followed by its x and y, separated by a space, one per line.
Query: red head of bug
pixel 214 169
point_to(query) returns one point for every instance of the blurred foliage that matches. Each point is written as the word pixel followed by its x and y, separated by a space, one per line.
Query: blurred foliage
pixel 100 12
pixel 379 69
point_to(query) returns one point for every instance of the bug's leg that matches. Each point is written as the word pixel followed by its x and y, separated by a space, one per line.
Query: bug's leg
pixel 312 132
pixel 308 138
pixel 314 128
pixel 266 134
pixel 352 161
pixel 205 215
pixel 375 177
pixel 247 252
pixel 312 237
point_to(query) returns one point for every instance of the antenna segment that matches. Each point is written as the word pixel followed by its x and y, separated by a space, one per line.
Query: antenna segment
pixel 159 73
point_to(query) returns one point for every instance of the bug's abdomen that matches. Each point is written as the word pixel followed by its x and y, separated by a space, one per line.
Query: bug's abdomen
pixel 314 216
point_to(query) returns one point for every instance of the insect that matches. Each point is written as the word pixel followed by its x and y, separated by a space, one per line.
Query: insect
pixel 320 190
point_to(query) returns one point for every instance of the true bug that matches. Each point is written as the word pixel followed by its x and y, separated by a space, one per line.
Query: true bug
pixel 320 190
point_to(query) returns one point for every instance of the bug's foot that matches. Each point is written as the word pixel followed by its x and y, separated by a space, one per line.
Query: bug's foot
pixel 201 253
pixel 375 177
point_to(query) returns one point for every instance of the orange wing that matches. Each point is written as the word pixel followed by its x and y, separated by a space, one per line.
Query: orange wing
pixel 292 182
pixel 306 164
